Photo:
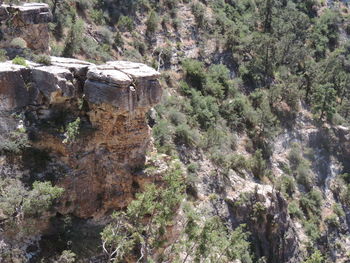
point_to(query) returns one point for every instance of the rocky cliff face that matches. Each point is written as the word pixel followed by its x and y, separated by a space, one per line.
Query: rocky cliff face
pixel 28 22
pixel 99 169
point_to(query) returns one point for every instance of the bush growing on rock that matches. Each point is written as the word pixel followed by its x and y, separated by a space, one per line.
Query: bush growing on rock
pixel 20 61
pixel 43 59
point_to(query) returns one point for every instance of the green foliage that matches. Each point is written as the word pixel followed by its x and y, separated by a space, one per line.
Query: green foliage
pixel 125 23
pixel 295 155
pixel 43 59
pixel 97 16
pixel 287 185
pixel 72 131
pixel 16 143
pixel 67 256
pixel 312 229
pixel 194 72
pixel 212 241
pixel 324 98
pixel 152 23
pixel 15 199
pixel 74 40
pixel 3 55
pixel 332 221
pixel 144 222
pixel 184 135
pixel 20 61
pixel 258 165
pixel 18 43
pixel 294 210
pixel 198 11
pixel 316 257
pixel 311 203
pixel 40 198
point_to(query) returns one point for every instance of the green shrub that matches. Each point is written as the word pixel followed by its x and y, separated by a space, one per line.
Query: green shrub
pixel 192 167
pixel 15 144
pixel 74 40
pixel 205 109
pixel 152 23
pixel 304 175
pixel 316 257
pixel 163 135
pixel 258 164
pixel 97 16
pixel 43 59
pixel 3 55
pixel 18 43
pixel 312 229
pixel 198 11
pixel 311 203
pixel 294 210
pixel 185 135
pixel 332 221
pixel 238 162
pixel 295 155
pixel 195 73
pixel 338 210
pixel 118 40
pixel 177 117
pixel 20 61
pixel 288 185
pixel 125 23
pixel 72 131
pixel 41 197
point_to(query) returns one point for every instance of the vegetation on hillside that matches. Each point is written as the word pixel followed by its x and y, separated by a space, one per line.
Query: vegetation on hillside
pixel 272 61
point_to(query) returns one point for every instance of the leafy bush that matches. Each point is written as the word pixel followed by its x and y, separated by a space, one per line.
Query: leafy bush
pixel 316 257
pixel 143 224
pixel 194 72
pixel 152 23
pixel 3 55
pixel 295 155
pixel 72 131
pixel 74 40
pixel 198 11
pixel 15 144
pixel 125 23
pixel 185 135
pixel 311 203
pixel 20 61
pixel 332 221
pixel 16 199
pixel 97 16
pixel 287 185
pixel 40 198
pixel 294 210
pixel 312 229
pixel 258 165
pixel 18 43
pixel 304 175
pixel 43 59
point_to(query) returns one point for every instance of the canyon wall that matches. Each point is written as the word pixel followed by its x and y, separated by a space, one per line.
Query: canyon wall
pixel 25 26
pixel 99 169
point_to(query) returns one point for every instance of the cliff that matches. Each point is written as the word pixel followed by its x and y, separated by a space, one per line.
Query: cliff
pixel 111 100
pixel 25 25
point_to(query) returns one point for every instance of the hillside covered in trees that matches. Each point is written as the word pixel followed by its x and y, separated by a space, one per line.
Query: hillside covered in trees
pixel 248 155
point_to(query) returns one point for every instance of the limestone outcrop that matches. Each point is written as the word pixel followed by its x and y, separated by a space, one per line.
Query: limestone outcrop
pixel 28 24
pixel 100 168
